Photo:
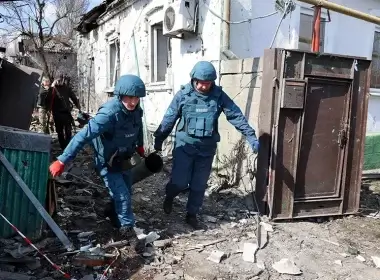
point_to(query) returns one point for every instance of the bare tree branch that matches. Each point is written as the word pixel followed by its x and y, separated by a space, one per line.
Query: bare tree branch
pixel 41 20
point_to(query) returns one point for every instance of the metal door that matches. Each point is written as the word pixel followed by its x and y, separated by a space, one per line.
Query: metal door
pixel 315 122
pixel 323 139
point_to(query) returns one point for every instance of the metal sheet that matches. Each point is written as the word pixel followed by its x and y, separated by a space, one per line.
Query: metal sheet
pixel 32 166
pixel 19 86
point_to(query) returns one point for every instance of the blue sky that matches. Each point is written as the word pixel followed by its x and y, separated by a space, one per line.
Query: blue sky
pixel 94 3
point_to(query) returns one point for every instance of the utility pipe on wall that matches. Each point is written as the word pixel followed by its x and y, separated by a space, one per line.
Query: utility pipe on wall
pixel 316 38
pixel 343 10
pixel 226 24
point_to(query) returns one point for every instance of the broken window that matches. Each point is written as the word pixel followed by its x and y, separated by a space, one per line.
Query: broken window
pixel 159 53
pixel 375 71
pixel 114 62
pixel 306 33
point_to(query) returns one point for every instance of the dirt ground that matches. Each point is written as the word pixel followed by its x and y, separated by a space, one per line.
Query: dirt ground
pixel 339 248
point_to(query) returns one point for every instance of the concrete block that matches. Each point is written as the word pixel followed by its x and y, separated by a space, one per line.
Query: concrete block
pixel 216 256
pixel 251 80
pixel 231 66
pixel 253 65
pixel 231 80
pixel 249 252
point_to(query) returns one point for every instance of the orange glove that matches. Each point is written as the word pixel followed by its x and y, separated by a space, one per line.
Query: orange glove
pixel 56 168
pixel 141 151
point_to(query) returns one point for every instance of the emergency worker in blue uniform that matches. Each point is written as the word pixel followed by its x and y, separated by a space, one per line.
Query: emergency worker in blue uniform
pixel 115 133
pixel 198 106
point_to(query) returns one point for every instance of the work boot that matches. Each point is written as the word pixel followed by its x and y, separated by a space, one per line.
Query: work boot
pixel 129 234
pixel 192 220
pixel 168 205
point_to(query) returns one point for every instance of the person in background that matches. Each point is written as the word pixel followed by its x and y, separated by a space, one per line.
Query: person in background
pixel 116 134
pixel 45 90
pixel 198 106
pixel 59 103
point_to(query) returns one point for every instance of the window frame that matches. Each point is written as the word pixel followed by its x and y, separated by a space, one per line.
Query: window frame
pixel 153 47
pixel 113 41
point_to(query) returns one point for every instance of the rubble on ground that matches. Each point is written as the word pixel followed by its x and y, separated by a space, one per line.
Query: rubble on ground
pixel 231 245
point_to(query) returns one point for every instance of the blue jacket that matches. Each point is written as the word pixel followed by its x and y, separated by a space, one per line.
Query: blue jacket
pixel 198 118
pixel 113 129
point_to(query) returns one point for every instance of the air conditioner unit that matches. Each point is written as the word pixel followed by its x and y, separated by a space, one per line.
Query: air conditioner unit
pixel 180 16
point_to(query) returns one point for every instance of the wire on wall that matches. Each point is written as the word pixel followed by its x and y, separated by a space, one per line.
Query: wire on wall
pixel 237 22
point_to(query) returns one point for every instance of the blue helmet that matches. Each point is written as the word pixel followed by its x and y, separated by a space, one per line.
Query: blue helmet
pixel 204 71
pixel 130 85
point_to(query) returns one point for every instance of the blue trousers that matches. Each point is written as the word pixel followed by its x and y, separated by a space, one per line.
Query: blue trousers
pixel 191 169
pixel 120 189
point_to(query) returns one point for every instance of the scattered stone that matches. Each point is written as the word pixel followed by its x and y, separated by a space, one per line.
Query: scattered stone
pixel 162 243
pixel 249 252
pixel 85 234
pixel 338 262
pixel 209 219
pixel 353 251
pixel 235 239
pixel 360 258
pixel 267 227
pixel 188 277
pixel 243 221
pixel 7 242
pixel 376 261
pixel 47 278
pixel 286 266
pixel 151 237
pixel 260 265
pixel 344 255
pixel 216 256
pixel 233 225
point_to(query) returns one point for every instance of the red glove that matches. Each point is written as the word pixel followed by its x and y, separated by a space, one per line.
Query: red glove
pixel 141 151
pixel 56 168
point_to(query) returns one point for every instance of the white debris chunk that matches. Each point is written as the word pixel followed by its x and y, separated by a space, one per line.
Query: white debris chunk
pixel 338 262
pixel 216 256
pixel 249 252
pixel 151 237
pixel 267 227
pixel 286 266
pixel 376 261
pixel 260 264
pixel 360 258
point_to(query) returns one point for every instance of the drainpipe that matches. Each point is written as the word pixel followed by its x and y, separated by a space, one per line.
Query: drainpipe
pixel 226 26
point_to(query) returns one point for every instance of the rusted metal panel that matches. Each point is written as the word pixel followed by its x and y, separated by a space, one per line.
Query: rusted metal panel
pixel 317 134
pixel 293 94
pixel 19 86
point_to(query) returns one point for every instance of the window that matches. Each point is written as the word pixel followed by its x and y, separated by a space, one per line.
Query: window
pixel 159 53
pixel 306 32
pixel 114 62
pixel 375 71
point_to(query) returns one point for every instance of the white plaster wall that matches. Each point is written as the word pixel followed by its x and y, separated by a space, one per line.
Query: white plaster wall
pixel 185 53
pixel 343 35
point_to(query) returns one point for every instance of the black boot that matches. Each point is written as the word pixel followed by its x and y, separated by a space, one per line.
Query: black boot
pixel 129 234
pixel 192 220
pixel 168 205
pixel 110 212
